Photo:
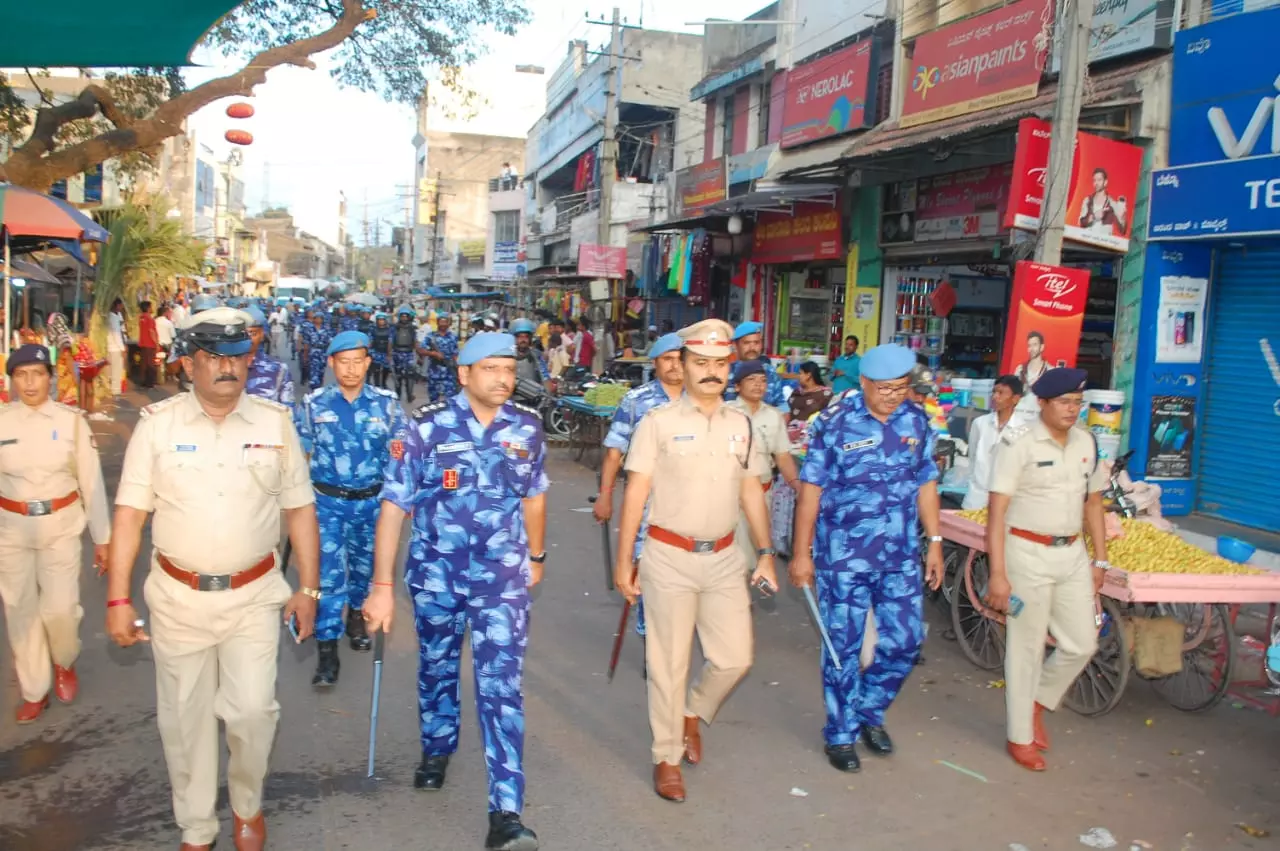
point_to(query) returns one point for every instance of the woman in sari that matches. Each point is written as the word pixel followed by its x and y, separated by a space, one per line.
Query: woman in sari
pixel 62 341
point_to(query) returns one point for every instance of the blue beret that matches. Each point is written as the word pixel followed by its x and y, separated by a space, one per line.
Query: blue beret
pixel 745 368
pixel 27 355
pixel 487 344
pixel 666 343
pixel 1060 381
pixel 886 362
pixel 259 318
pixel 346 341
pixel 746 329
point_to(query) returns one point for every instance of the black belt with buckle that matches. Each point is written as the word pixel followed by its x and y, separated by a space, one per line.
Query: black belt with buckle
pixel 347 493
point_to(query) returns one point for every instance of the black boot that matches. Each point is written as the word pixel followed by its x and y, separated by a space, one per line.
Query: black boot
pixel 506 833
pixel 843 758
pixel 357 632
pixel 430 774
pixel 877 740
pixel 327 665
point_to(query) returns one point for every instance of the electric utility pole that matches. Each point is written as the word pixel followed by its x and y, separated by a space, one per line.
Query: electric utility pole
pixel 435 231
pixel 609 147
pixel 1075 19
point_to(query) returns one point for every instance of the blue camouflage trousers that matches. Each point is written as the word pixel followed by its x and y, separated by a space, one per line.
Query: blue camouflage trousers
pixel 346 559
pixel 442 383
pixel 855 698
pixel 403 363
pixel 445 602
pixel 317 362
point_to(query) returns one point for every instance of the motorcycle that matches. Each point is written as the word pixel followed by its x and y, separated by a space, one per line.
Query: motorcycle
pixel 1114 496
pixel 536 396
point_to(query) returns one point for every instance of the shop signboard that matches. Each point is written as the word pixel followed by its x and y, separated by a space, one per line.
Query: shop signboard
pixel 978 63
pixel 602 261
pixel 471 250
pixel 701 185
pixel 1180 326
pixel 1104 182
pixel 506 261
pixel 1235 198
pixel 1121 27
pixel 1171 438
pixel 812 233
pixel 1046 314
pixel 861 305
pixel 829 96
pixel 961 205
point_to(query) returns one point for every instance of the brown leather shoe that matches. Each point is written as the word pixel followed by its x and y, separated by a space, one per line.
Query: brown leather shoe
pixel 668 782
pixel 30 710
pixel 1039 735
pixel 692 740
pixel 249 834
pixel 1027 756
pixel 66 685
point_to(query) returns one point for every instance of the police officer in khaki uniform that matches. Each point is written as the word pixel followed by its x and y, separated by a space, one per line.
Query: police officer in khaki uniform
pixel 770 431
pixel 1046 488
pixel 217 467
pixel 50 486
pixel 696 463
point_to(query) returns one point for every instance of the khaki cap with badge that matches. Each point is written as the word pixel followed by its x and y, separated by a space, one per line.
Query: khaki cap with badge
pixel 711 338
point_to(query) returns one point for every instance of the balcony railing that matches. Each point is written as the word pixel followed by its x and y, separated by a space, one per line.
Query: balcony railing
pixel 504 184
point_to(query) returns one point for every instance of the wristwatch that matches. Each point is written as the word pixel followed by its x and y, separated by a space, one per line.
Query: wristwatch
pixel 935 539
pixel 539 558
pixel 766 551
pixel 1105 565
pixel 313 593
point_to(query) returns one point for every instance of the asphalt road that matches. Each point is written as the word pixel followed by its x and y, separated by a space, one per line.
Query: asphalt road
pixel 92 775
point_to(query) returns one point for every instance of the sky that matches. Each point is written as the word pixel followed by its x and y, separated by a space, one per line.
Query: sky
pixel 314 140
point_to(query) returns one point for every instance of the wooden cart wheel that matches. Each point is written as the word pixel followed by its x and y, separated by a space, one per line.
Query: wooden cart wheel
pixel 1100 685
pixel 1207 657
pixel 953 559
pixel 980 638
pixel 579 434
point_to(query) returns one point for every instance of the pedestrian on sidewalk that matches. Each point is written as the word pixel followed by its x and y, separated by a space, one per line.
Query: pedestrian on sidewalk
pixel 116 346
pixel 165 332
pixel 217 467
pixel 868 479
pixel 268 378
pixel 470 470
pixel 51 487
pixel 1046 488
pixel 148 344
pixel 346 428
pixel 695 463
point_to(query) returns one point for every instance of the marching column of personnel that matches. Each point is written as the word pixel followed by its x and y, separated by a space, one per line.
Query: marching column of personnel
pixel 218 468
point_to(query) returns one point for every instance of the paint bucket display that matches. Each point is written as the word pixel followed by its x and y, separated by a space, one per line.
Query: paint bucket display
pixel 1106 412
pixel 982 389
pixel 1108 446
pixel 917 342
pixel 963 390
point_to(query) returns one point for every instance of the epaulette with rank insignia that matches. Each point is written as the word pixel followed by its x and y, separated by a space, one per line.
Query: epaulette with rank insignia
pixel 429 409
pixel 531 411
pixel 157 407
pixel 71 409
pixel 315 393
pixel 382 391
pixel 269 403
pixel 1012 433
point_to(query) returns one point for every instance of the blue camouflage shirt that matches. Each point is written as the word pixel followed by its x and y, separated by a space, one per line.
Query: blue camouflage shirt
pixel 348 441
pixel 446 344
pixel 773 394
pixel 269 379
pixel 349 322
pixel 870 474
pixel 317 339
pixel 638 402
pixel 464 484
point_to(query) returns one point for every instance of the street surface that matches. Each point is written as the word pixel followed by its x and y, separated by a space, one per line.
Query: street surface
pixel 92 775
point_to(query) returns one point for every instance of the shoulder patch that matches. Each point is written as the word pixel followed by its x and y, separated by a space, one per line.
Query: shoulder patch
pixel 429 409
pixel 315 394
pixel 68 408
pixel 157 407
pixel 382 391
pixel 1012 433
pixel 269 403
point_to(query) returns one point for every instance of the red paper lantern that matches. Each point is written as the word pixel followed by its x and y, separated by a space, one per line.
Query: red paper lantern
pixel 239 137
pixel 240 110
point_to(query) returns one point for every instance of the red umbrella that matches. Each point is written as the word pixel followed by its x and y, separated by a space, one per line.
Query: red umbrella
pixel 24 212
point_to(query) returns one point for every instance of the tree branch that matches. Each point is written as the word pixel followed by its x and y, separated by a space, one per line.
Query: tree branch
pixel 43 97
pixel 35 165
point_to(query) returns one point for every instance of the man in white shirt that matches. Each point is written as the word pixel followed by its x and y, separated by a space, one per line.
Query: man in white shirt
pixel 164 328
pixel 178 312
pixel 116 346
pixel 984 436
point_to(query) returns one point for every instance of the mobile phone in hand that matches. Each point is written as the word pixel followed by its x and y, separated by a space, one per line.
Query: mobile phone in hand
pixel 293 628
pixel 1015 606
pixel 764 587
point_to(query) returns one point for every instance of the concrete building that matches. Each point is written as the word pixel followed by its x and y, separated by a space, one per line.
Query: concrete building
pixel 298 253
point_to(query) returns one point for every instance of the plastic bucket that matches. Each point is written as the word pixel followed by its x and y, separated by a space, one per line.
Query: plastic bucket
pixel 962 388
pixel 1106 411
pixel 982 389
pixel 1108 446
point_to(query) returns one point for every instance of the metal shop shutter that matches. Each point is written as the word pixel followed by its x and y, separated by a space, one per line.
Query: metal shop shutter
pixel 1240 427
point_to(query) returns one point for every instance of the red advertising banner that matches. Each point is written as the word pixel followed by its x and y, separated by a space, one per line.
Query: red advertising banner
pixel 988 60
pixel 962 204
pixel 701 185
pixel 813 233
pixel 602 261
pixel 828 96
pixel 1046 314
pixel 1104 182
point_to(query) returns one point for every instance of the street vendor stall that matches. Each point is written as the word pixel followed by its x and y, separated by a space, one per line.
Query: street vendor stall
pixel 588 424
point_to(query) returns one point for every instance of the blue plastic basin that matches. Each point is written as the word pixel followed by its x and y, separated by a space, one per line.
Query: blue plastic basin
pixel 1235 549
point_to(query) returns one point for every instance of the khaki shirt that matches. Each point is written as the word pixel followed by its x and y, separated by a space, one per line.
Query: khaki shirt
pixel 1046 482
pixel 47 452
pixel 696 464
pixel 770 432
pixel 217 489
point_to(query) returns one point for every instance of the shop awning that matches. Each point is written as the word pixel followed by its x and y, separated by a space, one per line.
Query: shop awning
pixel 778 197
pixel 823 156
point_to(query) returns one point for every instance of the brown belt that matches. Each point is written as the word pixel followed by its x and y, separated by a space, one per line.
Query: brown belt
pixel 691 545
pixel 768 485
pixel 1047 540
pixel 217 582
pixel 39 507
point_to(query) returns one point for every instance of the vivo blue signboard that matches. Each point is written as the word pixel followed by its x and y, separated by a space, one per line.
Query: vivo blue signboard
pixel 1210 200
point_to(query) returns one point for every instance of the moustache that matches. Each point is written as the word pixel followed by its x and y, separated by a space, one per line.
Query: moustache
pixel 222 378
pixel 711 380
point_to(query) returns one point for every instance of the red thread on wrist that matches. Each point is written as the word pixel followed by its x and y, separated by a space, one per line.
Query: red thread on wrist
pixel 123 601
pixel 386 584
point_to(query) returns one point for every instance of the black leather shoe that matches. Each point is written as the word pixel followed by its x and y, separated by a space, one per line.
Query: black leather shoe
pixel 357 632
pixel 327 665
pixel 430 775
pixel 843 758
pixel 506 833
pixel 877 740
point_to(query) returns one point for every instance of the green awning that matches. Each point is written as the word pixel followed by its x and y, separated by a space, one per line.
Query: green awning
pixel 86 34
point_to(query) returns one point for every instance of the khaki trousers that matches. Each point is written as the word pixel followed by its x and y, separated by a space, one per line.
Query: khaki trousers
pixel 40 560
pixel 215 655
pixel 1056 588
pixel 682 592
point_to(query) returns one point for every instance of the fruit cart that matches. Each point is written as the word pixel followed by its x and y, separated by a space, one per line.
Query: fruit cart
pixel 588 424
pixel 1200 590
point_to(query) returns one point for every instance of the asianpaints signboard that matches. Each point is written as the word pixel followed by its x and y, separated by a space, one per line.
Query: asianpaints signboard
pixel 1046 314
pixel 828 96
pixel 978 63
pixel 813 233
pixel 1104 183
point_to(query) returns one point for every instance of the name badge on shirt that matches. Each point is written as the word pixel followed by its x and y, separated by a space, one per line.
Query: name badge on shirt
pixel 459 446
pixel 326 418
pixel 858 444
pixel 185 447
pixel 10 442
pixel 679 437
pixel 1044 463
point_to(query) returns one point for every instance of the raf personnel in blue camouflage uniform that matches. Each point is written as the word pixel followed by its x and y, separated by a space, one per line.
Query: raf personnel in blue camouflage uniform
pixel 346 428
pixel 470 470
pixel 268 377
pixel 404 338
pixel 348 320
pixel 441 350
pixel 868 476
pixel 315 342
pixel 667 386
pixel 380 339
pixel 748 342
